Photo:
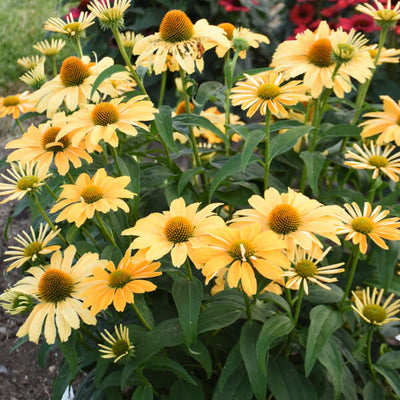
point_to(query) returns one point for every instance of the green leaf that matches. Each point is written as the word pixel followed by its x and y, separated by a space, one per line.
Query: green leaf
pixel 198 120
pixel 231 167
pixel 44 350
pixel 248 339
pixel 71 356
pixel 319 295
pixel 282 143
pixel 273 328
pixel 324 321
pixel 390 359
pixel 250 143
pixel 385 262
pixel 101 368
pixel 314 162
pixel 186 177
pixel 286 383
pixel 200 353
pixel 251 72
pixel 278 300
pixel 228 73
pixel 373 391
pixel 206 91
pixel 391 376
pixel 331 359
pixel 143 393
pixel 163 363
pixel 233 383
pixel 62 381
pixel 144 309
pixel 187 295
pixel 130 167
pixel 104 75
pixel 163 122
pixel 181 390
pixel 218 315
pixel 73 230
pixel 341 130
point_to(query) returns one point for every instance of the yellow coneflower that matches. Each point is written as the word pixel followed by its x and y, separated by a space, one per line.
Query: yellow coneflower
pixel 129 39
pixel 110 15
pixel 70 27
pixel 385 123
pixel 375 158
pixel 57 288
pixel 118 285
pixel 368 223
pixel 119 347
pixel 35 77
pixel 177 231
pixel 16 104
pixel 39 144
pixel 95 122
pixel 385 17
pixel 265 91
pixel 242 250
pixel 101 193
pixel 368 306
pixel 22 179
pixel 30 62
pixel 386 56
pixel 73 85
pixel 31 246
pixel 241 39
pixel 181 41
pixel 304 269
pixel 293 216
pixel 15 302
pixel 49 49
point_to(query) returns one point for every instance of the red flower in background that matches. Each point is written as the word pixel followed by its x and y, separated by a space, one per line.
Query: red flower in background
pixel 235 5
pixel 302 14
pixel 360 22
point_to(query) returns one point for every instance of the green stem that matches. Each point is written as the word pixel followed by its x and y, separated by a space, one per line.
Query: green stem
pixel 79 47
pixel 188 269
pixel 46 218
pixel 298 304
pixel 20 125
pixel 192 138
pixel 369 358
pixel 140 315
pixel 87 233
pixel 248 308
pixel 115 157
pixel 353 267
pixel 106 233
pixel 162 88
pixel 127 60
pixel 53 195
pixel 267 143
pixel 70 178
pixel 54 65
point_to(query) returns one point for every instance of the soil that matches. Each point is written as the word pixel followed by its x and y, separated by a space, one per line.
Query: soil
pixel 21 377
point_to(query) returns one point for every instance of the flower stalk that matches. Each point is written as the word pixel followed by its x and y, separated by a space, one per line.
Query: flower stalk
pixel 354 260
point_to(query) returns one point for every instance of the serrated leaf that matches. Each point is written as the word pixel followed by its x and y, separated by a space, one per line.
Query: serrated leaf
pixel 218 315
pixel 248 339
pixel 163 123
pixel 187 295
pixel 143 393
pixel 104 75
pixel 198 120
pixel 391 376
pixel 314 162
pixel 282 143
pixel 250 143
pixel 163 363
pixel 373 391
pixel 331 359
pixel 186 177
pixel 273 328
pixel 324 321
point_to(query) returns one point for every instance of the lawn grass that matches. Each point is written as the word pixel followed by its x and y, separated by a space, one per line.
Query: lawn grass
pixel 21 25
